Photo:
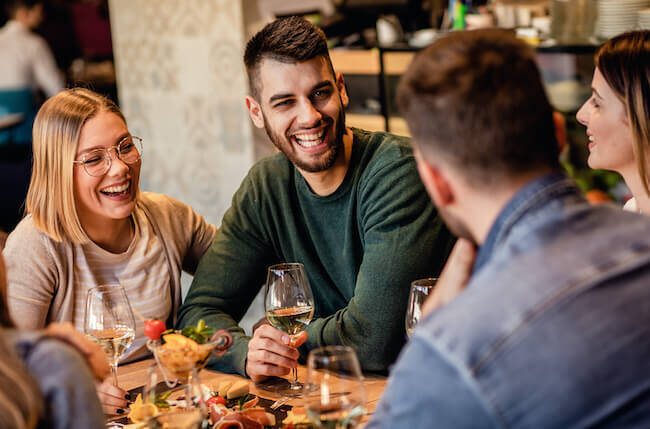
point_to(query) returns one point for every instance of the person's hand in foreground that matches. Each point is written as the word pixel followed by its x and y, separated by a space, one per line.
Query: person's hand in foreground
pixel 92 352
pixel 454 276
pixel 271 352
pixel 112 398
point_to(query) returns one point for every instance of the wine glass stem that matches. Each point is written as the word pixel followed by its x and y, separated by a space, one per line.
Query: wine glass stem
pixel 188 392
pixel 114 373
pixel 294 383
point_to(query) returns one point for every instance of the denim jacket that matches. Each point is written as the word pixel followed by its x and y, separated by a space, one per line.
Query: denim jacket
pixel 552 331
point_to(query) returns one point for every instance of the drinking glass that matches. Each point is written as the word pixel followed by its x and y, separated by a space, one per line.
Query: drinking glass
pixel 339 400
pixel 289 304
pixel 109 322
pixel 420 290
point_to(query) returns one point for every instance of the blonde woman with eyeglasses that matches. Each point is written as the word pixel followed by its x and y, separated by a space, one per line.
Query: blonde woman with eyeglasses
pixel 88 224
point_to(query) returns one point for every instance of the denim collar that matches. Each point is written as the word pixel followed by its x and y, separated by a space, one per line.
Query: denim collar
pixel 525 200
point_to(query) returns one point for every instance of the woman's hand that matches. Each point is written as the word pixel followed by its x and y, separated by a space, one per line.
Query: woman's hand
pixel 113 399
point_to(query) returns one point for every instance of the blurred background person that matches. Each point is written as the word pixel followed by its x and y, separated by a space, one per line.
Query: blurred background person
pixel 27 69
pixel 26 60
pixel 617 115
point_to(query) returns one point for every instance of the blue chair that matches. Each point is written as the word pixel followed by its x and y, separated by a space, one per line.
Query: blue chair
pixel 18 101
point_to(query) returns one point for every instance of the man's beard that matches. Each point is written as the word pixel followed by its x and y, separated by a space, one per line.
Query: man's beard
pixel 278 141
pixel 455 225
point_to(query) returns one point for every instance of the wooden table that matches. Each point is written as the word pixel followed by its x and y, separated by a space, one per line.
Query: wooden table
pixel 134 375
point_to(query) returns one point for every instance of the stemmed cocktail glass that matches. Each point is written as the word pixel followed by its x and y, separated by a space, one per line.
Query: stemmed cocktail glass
pixel 182 358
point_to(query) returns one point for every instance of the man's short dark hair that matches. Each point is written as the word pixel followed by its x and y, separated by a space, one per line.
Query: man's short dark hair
pixel 289 40
pixel 476 99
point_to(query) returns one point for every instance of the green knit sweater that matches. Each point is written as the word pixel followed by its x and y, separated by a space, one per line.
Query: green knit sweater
pixel 361 247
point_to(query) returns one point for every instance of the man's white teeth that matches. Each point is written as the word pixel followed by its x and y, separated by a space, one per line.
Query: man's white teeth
pixel 591 138
pixel 309 139
pixel 116 189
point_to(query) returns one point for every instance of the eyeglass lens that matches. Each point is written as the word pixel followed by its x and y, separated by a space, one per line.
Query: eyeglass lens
pixel 98 161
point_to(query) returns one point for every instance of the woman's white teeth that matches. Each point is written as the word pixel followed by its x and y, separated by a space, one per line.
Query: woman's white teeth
pixel 309 140
pixel 591 138
pixel 116 189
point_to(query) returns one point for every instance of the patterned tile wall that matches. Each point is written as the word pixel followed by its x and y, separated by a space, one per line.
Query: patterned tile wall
pixel 181 84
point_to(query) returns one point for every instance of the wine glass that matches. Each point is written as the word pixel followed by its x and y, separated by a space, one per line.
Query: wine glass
pixel 109 322
pixel 289 304
pixel 420 290
pixel 339 401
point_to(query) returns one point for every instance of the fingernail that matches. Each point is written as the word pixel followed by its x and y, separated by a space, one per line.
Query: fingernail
pixel 127 397
pixel 285 339
pixel 120 411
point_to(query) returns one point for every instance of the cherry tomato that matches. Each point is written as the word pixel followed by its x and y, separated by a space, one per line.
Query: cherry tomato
pixel 216 400
pixel 153 328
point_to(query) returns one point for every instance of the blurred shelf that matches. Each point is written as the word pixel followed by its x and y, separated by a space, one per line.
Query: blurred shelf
pixel 397 125
pixel 353 61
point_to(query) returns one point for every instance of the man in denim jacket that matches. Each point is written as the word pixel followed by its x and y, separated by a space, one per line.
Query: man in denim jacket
pixel 552 328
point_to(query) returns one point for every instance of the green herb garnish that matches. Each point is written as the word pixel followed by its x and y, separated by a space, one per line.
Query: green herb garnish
pixel 243 400
pixel 199 333
pixel 160 401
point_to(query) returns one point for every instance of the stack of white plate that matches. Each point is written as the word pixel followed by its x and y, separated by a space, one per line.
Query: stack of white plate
pixel 644 19
pixel 618 16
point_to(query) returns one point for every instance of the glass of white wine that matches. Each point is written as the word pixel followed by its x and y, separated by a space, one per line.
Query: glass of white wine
pixel 289 304
pixel 109 322
pixel 420 290
pixel 335 397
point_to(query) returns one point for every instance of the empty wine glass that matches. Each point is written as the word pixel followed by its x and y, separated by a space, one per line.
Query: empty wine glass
pixel 420 290
pixel 335 397
pixel 109 322
pixel 289 304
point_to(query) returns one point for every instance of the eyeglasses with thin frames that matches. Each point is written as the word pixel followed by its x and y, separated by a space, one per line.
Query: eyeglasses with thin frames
pixel 97 162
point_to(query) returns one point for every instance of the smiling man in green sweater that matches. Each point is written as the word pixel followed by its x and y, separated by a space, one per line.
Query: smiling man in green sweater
pixel 346 203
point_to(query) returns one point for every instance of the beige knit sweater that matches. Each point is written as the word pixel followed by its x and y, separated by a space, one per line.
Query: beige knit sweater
pixel 40 270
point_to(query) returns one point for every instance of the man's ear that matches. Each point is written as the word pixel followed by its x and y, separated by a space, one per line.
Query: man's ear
pixel 435 183
pixel 340 84
pixel 255 111
pixel 560 130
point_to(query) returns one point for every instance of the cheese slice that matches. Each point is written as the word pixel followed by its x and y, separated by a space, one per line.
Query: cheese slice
pixel 238 388
pixel 224 386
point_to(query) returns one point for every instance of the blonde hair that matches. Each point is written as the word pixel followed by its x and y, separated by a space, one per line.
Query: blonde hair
pixel 624 62
pixel 57 127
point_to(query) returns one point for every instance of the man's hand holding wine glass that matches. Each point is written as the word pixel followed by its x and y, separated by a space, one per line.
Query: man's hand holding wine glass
pixel 271 352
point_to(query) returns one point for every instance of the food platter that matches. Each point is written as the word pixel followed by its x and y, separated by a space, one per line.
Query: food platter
pixel 177 397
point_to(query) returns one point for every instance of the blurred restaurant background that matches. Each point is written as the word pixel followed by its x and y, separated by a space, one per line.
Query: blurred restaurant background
pixel 175 68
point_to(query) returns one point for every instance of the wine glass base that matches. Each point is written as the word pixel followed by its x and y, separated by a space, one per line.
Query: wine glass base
pixel 281 386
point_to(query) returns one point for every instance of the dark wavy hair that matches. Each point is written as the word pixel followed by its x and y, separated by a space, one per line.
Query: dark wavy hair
pixel 624 62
